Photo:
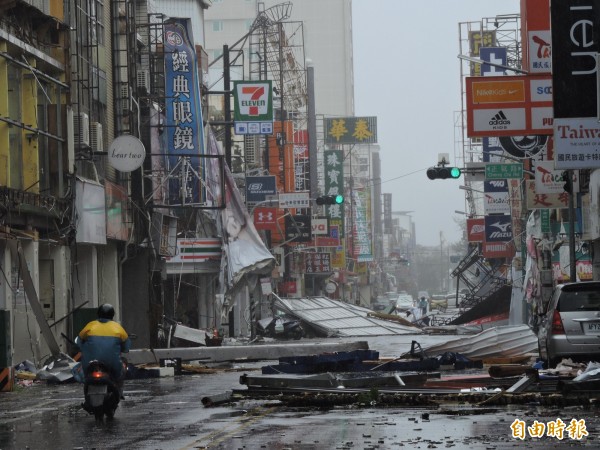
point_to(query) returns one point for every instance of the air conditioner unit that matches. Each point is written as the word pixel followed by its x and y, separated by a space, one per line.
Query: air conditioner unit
pixel 251 149
pixel 143 80
pixel 123 74
pixel 124 91
pixel 81 125
pixel 96 140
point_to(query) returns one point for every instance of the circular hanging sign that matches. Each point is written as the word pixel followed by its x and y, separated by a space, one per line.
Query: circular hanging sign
pixel 330 287
pixel 126 153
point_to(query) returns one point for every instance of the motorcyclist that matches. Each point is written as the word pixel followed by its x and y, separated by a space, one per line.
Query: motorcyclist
pixel 104 340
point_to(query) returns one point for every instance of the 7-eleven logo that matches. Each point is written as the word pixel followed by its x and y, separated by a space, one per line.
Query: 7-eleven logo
pixel 253 99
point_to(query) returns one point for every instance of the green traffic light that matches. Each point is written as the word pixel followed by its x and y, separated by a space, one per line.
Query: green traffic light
pixel 455 172
pixel 339 199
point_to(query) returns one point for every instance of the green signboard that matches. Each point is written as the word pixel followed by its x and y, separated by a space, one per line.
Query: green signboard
pixel 350 130
pixel 545 216
pixel 334 185
pixel 503 171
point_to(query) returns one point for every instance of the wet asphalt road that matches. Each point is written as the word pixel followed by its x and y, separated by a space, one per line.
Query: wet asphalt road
pixel 167 413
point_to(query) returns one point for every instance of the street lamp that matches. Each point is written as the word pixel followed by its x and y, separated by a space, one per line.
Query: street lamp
pixel 468 188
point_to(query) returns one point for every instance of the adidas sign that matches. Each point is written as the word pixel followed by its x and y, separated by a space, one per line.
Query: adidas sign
pixel 499 121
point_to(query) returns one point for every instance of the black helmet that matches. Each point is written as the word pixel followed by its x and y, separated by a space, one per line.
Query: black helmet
pixel 106 311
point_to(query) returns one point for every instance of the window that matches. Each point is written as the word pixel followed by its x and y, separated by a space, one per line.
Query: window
pixel 217 25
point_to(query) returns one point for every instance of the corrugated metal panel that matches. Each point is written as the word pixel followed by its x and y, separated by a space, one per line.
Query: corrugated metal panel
pixel 505 341
pixel 337 318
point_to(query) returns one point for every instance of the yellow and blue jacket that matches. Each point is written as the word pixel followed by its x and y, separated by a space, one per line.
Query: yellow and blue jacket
pixel 104 340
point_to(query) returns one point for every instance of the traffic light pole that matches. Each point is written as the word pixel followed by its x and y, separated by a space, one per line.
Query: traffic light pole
pixel 572 261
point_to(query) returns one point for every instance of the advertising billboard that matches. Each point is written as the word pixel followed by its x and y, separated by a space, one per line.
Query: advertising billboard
pixel 508 106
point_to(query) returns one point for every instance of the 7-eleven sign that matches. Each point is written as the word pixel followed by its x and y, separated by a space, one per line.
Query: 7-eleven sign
pixel 253 101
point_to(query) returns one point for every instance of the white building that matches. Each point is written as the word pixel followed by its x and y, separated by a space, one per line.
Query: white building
pixel 327 42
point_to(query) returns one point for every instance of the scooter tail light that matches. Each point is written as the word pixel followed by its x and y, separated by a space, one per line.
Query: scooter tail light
pixel 557 325
pixel 97 374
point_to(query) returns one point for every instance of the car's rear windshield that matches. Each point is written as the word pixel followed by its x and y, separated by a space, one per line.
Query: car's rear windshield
pixel 580 300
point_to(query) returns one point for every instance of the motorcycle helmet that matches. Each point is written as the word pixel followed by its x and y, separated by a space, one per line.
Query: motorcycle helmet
pixel 106 311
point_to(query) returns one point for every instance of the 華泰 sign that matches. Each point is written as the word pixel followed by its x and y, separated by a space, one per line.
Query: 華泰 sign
pixel 350 130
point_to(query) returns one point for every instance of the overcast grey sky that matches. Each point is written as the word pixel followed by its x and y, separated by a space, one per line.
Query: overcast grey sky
pixel 406 72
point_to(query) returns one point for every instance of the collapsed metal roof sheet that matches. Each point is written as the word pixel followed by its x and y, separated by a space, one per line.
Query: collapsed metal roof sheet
pixel 336 318
pixel 503 341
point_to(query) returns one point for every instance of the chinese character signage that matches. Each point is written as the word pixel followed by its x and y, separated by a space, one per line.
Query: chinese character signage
pixel 492 150
pixel 550 181
pixel 362 225
pixel 576 143
pixel 537 51
pixel 351 130
pixel 184 132
pixel 253 107
pixel 334 185
pixel 317 263
pixel 536 200
pixel 502 171
pixel 294 200
pixel 387 213
pixel 478 39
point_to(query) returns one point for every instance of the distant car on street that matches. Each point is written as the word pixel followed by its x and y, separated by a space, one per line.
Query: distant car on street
pixel 404 302
pixel 570 326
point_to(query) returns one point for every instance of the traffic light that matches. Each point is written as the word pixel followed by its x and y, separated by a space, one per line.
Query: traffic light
pixel 330 199
pixel 443 172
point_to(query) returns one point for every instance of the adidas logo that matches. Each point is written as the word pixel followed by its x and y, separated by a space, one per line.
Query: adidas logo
pixel 499 119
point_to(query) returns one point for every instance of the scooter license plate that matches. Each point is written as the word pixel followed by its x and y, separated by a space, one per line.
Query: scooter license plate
pixel 95 389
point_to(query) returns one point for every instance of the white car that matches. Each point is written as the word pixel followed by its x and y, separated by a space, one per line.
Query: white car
pixel 404 302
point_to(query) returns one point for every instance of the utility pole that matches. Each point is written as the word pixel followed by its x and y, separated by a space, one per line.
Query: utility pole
pixel 227 105
pixel 572 260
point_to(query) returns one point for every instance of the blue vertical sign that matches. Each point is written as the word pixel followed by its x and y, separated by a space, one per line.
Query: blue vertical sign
pixel 492 150
pixel 183 114
pixel 494 55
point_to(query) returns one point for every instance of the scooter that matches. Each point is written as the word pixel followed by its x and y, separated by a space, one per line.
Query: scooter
pixel 280 327
pixel 101 391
